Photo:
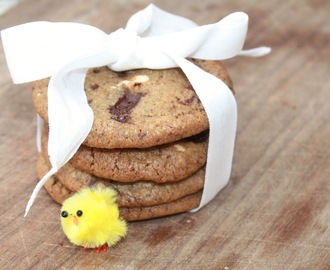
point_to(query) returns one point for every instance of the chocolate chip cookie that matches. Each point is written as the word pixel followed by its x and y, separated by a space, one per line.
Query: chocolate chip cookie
pixel 140 108
pixel 141 193
pixel 60 192
pixel 164 163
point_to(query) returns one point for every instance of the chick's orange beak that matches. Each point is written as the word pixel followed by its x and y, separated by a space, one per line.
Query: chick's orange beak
pixel 75 220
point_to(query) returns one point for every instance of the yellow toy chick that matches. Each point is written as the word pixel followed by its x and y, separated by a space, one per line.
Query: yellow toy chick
pixel 90 218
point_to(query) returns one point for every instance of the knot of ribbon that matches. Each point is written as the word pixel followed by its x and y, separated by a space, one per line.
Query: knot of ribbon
pixel 153 39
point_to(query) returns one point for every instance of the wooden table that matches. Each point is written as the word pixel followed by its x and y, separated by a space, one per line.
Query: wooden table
pixel 275 211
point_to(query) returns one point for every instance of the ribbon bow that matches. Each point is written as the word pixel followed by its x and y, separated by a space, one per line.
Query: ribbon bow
pixel 152 39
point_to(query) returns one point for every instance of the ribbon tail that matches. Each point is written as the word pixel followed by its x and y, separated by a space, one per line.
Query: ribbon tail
pixel 220 106
pixel 37 189
pixel 256 52
pixel 70 120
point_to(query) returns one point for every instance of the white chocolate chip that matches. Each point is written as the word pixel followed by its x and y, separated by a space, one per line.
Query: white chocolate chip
pixel 180 148
pixel 140 78
pixel 126 82
pixel 136 79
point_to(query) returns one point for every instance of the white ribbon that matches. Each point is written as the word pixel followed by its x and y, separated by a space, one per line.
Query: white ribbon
pixel 152 39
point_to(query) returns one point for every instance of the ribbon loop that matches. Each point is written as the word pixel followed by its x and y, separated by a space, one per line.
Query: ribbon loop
pixel 153 21
pixel 37 50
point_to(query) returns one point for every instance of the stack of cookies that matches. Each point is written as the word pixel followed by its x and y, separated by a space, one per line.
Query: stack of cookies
pixel 148 141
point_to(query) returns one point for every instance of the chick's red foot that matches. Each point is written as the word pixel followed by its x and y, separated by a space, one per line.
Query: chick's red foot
pixel 103 248
pixel 99 249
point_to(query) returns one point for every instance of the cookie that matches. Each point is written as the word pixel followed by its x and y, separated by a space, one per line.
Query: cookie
pixel 140 108
pixel 179 206
pixel 171 162
pixel 59 193
pixel 142 193
pixel 165 163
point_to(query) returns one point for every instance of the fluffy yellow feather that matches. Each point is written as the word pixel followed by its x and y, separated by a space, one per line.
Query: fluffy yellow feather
pixel 90 218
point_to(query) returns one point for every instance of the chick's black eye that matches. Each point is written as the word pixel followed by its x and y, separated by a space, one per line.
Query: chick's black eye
pixel 64 214
pixel 79 213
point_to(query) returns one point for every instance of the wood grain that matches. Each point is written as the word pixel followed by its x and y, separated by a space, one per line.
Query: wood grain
pixel 275 211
